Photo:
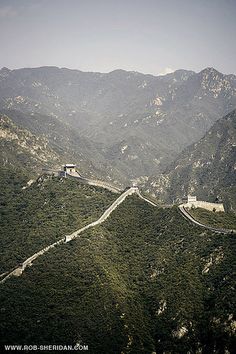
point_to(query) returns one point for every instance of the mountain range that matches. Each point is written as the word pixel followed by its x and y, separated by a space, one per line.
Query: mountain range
pixel 146 280
pixel 121 126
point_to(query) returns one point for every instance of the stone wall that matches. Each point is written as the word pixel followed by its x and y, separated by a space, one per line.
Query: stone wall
pixel 205 205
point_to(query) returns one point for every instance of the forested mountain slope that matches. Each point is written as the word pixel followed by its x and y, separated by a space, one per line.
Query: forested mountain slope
pixel 206 169
pixel 22 149
pixel 145 281
pixel 44 142
pixel 32 217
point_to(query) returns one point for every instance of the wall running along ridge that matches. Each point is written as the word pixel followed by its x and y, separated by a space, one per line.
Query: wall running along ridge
pixel 205 205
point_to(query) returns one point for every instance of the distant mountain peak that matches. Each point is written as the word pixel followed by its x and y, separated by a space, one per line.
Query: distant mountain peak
pixel 122 72
pixel 5 69
pixel 91 114
pixel 4 72
pixel 182 71
pixel 210 71
pixel 182 74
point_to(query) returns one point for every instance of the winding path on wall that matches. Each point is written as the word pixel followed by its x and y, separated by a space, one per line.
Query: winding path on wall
pixel 94 182
pixel 188 216
pixel 108 186
pixel 145 199
pixel 28 262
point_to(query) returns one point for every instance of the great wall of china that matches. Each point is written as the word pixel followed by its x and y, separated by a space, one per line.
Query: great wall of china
pixel 67 238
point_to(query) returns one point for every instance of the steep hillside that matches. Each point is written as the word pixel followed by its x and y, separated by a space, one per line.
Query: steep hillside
pixel 219 220
pixel 44 212
pixel 145 281
pixel 206 169
pixel 128 124
pixel 22 149
pixel 39 141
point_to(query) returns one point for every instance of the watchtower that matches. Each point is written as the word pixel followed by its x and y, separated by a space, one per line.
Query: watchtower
pixel 69 168
pixel 192 198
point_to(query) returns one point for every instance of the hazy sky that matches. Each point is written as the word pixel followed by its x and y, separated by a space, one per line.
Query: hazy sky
pixel 150 36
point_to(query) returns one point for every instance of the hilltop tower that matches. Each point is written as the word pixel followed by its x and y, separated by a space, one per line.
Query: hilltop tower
pixel 69 168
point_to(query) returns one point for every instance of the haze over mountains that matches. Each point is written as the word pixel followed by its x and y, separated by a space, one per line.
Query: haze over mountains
pixel 107 258
pixel 122 125
pixel 146 280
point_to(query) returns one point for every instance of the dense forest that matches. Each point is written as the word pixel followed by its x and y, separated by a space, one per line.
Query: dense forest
pixel 215 219
pixel 34 216
pixel 144 281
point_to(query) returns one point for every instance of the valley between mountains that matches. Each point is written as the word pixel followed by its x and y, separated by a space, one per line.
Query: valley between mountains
pixel 122 125
pixel 137 277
